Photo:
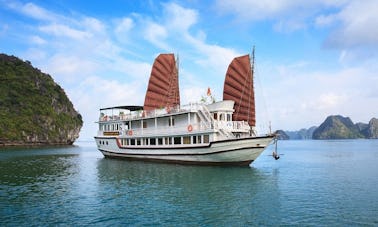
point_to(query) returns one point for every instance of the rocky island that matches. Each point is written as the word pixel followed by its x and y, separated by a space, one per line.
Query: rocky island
pixel 34 110
pixel 334 127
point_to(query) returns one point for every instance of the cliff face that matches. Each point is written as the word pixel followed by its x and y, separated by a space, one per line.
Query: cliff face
pixel 281 135
pixel 303 134
pixel 371 131
pixel 33 108
pixel 337 127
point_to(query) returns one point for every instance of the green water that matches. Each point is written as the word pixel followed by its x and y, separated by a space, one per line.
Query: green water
pixel 331 183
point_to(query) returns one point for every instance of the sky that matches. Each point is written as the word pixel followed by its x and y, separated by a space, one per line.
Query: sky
pixel 313 58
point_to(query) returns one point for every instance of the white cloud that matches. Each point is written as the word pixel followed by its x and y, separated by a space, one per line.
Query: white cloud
pixel 61 30
pixel 286 15
pixel 156 34
pixel 96 92
pixel 254 10
pixel 4 28
pixel 69 68
pixel 36 12
pixel 32 10
pixel 93 25
pixel 35 55
pixel 37 40
pixel 356 25
pixel 298 98
pixel 123 28
pixel 179 18
pixel 327 101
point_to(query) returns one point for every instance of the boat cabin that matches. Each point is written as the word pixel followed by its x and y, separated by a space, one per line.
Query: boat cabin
pixel 191 124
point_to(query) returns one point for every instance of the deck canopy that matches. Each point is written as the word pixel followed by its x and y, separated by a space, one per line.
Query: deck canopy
pixel 131 108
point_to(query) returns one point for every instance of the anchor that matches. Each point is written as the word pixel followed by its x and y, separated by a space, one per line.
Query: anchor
pixel 275 154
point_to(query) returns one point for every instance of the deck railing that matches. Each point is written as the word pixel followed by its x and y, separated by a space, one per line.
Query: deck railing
pixel 151 114
pixel 230 126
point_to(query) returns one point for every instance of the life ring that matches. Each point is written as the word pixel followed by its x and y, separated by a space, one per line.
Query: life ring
pixel 130 132
pixel 190 128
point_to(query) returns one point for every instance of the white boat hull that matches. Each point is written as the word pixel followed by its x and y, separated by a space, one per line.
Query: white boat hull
pixel 226 152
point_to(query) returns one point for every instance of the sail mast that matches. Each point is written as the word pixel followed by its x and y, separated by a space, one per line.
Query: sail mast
pixel 253 61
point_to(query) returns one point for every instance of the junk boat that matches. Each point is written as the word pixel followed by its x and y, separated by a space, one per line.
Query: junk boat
pixel 217 133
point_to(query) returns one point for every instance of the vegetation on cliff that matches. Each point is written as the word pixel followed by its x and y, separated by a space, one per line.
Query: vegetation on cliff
pixel 33 108
pixel 371 131
pixel 335 127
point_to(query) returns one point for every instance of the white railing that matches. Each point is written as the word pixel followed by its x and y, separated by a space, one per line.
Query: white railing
pixel 224 127
pixel 232 125
pixel 161 131
pixel 153 113
pixel 205 115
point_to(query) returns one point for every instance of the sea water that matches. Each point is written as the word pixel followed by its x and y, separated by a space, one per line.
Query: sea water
pixel 319 183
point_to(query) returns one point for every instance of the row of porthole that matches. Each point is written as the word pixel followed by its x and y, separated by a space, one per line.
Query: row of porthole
pixel 103 142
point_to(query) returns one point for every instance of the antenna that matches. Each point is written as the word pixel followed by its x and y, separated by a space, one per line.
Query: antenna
pixel 253 59
pixel 177 64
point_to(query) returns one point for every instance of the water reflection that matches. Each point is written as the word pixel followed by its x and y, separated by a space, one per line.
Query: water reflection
pixel 35 180
pixel 194 194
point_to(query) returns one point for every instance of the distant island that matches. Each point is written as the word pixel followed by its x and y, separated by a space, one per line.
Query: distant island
pixel 335 127
pixel 34 110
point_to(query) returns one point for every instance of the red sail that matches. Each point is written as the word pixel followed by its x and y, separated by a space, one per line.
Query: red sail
pixel 163 86
pixel 238 86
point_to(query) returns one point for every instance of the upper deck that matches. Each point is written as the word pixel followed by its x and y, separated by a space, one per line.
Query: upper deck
pixel 129 113
pixel 197 116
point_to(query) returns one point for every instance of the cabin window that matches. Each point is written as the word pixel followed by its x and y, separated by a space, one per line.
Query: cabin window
pixel 194 139
pixel 144 124
pixel 138 141
pixel 228 117
pixel 177 140
pixel 215 116
pixel 171 122
pixel 168 140
pixel 199 139
pixel 186 139
pixel 132 142
pixel 160 141
pixel 206 138
pixel 152 141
